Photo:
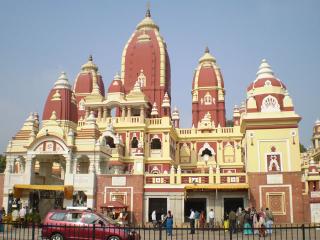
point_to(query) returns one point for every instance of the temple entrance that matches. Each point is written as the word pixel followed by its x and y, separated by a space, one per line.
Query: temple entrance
pixel 158 204
pixel 197 204
pixel 232 204
pixel 45 200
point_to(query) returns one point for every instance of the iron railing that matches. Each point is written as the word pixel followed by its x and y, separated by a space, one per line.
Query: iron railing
pixel 98 232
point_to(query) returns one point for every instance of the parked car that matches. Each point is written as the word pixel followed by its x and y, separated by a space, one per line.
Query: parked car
pixel 83 224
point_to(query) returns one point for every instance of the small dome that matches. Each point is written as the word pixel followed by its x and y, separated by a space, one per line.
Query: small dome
pixel 116 85
pixel 59 104
pixel 62 82
pixel 147 22
pixel 265 77
pixel 85 79
pixel 207 57
pixel 206 74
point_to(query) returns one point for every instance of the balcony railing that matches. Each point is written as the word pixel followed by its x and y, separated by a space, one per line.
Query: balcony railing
pixel 197 178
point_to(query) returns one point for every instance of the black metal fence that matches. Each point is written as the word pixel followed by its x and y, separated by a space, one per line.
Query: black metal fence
pixel 95 232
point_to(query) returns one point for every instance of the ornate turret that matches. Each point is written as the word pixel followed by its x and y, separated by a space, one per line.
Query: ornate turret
pixel 267 93
pixel 208 91
pixel 88 83
pixel 60 101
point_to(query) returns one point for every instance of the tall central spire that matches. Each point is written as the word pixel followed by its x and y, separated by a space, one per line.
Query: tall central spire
pixel 148 14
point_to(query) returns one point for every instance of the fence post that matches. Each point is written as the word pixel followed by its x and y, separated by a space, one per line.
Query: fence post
pixel 303 232
pixel 230 232
pixel 33 231
pixel 94 232
pixel 160 232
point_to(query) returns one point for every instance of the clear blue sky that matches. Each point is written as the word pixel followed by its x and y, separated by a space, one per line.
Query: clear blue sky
pixel 39 39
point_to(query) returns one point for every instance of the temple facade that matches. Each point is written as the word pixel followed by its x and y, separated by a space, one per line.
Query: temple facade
pixel 97 145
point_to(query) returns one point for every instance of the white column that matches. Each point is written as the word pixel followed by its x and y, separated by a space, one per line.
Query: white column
pixel 97 164
pixel 75 165
pixel 68 158
pixel 92 165
pixel 29 170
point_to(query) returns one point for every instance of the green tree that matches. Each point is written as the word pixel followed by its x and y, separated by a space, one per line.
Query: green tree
pixel 302 148
pixel 229 123
pixel 2 163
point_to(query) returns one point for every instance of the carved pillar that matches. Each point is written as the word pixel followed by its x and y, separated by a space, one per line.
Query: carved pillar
pixel 104 114
pixel 97 164
pixel 129 111
pixel 75 166
pixel 142 116
pixel 123 112
pixel 99 113
pixel 92 166
pixel 9 165
pixel 29 170
pixel 68 163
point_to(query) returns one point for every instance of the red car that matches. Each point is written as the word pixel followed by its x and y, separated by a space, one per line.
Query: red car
pixel 83 224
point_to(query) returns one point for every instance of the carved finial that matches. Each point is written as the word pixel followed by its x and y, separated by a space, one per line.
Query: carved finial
pixel 207 50
pixel 148 14
pixel 90 58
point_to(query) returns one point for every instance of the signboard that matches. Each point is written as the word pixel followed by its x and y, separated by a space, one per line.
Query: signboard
pixel 274 179
pixel 315 212
pixel 119 181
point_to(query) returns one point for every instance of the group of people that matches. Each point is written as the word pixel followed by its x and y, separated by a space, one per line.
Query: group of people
pixel 250 221
pixel 198 219
pixel 165 220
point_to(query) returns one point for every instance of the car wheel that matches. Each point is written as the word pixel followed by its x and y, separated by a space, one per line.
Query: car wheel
pixel 114 238
pixel 56 236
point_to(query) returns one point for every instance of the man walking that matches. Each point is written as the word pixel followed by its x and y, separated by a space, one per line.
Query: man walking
pixel 269 221
pixel 211 219
pixel 232 220
pixel 191 217
pixel 154 218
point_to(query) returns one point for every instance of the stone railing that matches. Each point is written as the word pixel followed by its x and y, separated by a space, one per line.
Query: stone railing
pixel 185 132
pixel 196 178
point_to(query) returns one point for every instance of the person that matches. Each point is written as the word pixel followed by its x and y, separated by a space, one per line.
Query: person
pixel 202 219
pixel 269 221
pixel 22 214
pixel 233 221
pixel 196 218
pixel 191 217
pixel 154 218
pixel 246 220
pixel 261 223
pixel 255 221
pixel 169 223
pixel 2 213
pixel 211 219
pixel 226 222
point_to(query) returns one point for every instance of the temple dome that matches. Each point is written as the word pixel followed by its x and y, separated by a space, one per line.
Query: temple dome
pixel 60 104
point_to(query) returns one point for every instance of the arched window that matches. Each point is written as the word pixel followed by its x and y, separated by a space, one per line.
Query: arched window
pixel 142 79
pixel 134 142
pixel 81 104
pixel 206 152
pixel 155 143
pixel 207 99
pixel 110 142
pixel 270 104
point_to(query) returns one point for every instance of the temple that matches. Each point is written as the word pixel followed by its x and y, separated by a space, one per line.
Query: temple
pixel 123 143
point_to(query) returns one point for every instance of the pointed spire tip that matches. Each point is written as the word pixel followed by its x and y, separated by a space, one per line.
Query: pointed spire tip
pixel 207 50
pixel 148 13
